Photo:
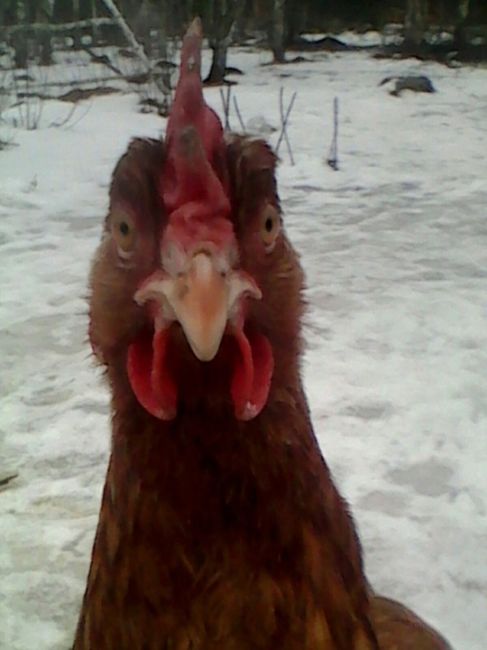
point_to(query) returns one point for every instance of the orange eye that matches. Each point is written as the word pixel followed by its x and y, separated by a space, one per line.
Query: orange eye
pixel 270 226
pixel 123 232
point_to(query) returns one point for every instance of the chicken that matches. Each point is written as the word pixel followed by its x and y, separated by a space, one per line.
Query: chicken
pixel 220 525
pixel 398 628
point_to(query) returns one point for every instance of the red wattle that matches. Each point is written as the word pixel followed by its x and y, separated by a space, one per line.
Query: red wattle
pixel 243 375
pixel 148 376
pixel 252 375
pixel 162 383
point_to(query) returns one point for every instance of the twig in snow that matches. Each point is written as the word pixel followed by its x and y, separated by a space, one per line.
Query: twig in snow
pixel 332 159
pixel 29 104
pixel 226 106
pixel 103 59
pixel 66 119
pixel 87 110
pixel 239 114
pixel 5 480
pixel 284 122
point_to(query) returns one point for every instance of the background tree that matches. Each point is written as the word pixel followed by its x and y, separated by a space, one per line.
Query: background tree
pixel 27 12
pixel 461 22
pixel 40 11
pixel 414 23
pixel 228 20
pixel 220 19
pixel 276 31
pixel 14 12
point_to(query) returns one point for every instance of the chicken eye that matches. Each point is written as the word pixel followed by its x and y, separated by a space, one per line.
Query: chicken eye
pixel 270 227
pixel 123 232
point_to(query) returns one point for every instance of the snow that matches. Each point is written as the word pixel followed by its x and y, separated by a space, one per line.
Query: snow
pixel 394 245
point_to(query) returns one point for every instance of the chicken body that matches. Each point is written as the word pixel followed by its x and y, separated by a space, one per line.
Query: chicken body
pixel 398 628
pixel 220 525
pixel 232 537
pixel 216 532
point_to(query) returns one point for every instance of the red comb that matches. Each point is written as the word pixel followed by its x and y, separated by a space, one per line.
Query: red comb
pixel 194 142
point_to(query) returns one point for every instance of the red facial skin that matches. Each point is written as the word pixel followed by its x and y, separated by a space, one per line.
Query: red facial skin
pixel 154 382
pixel 196 199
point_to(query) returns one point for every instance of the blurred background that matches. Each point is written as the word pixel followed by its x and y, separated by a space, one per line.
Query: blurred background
pixel 143 39
pixel 383 185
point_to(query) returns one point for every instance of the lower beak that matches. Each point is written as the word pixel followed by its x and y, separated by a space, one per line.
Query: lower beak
pixel 202 300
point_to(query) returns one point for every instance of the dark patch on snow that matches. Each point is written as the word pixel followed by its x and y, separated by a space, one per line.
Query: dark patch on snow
pixel 390 503
pixel 430 478
pixel 416 83
pixel 368 410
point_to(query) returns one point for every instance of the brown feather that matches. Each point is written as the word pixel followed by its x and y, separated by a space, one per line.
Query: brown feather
pixel 213 532
pixel 398 628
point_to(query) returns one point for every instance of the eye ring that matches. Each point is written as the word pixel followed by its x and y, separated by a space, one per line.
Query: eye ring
pixel 270 226
pixel 124 233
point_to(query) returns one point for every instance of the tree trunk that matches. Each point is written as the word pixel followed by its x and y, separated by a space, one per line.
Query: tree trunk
pixel 143 24
pixel 46 49
pixel 95 32
pixel 244 11
pixel 127 32
pixel 179 13
pixel 77 31
pixel 462 15
pixel 276 36
pixel 19 39
pixel 41 14
pixel 20 45
pixel 222 14
pixel 218 63
pixel 414 25
pixel 294 20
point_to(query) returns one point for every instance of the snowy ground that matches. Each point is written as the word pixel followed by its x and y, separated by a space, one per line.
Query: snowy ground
pixel 395 250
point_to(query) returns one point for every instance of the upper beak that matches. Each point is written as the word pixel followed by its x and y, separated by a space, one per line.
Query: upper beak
pixel 200 303
pixel 202 299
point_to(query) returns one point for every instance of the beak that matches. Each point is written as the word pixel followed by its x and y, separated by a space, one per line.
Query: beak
pixel 200 304
pixel 202 299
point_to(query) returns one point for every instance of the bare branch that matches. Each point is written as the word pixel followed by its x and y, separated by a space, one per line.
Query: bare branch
pixel 68 116
pixel 70 126
pixel 332 159
pixel 239 114
pixel 226 105
pixel 128 33
pixel 50 27
pixel 284 122
pixel 6 479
